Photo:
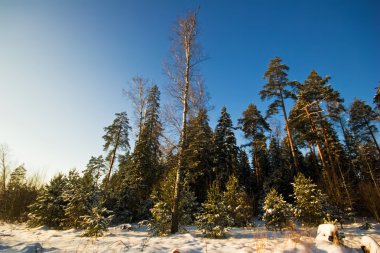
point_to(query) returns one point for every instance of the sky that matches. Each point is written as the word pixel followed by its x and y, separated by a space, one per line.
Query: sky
pixel 64 64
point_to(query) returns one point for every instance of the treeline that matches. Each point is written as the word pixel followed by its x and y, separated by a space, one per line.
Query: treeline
pixel 206 177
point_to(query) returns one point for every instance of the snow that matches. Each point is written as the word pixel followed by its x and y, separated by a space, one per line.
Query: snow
pixel 20 238
pixel 370 244
pixel 326 232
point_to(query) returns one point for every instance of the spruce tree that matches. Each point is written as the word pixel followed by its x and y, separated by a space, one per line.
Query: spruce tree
pixel 83 193
pixel 49 208
pixel 146 156
pixel 199 155
pixel 278 176
pixel 277 213
pixel 163 201
pixel 245 175
pixel 96 223
pixel 237 203
pixel 76 204
pixel 213 218
pixel 226 151
pixel 308 200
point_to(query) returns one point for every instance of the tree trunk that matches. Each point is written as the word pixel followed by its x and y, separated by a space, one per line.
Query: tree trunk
pixel 112 159
pixel 183 140
pixel 317 142
pixel 290 138
pixel 372 176
pixel 373 137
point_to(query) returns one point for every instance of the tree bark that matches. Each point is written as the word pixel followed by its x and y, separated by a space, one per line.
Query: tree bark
pixel 112 159
pixel 183 139
pixel 317 142
pixel 373 137
pixel 290 138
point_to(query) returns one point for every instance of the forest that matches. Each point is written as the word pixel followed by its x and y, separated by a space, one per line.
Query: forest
pixel 321 163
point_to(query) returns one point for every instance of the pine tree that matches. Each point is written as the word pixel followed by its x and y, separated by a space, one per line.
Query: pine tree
pixel 308 200
pixel 237 204
pixel 226 151
pixel 376 98
pixel 278 88
pixel 116 138
pixel 254 127
pixel 277 213
pixel 316 98
pixel 49 208
pixel 213 218
pixel 361 118
pixel 20 194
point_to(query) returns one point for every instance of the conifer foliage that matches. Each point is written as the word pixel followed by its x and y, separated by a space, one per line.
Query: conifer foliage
pixel 49 208
pixel 308 200
pixel 237 203
pixel 201 175
pixel 213 218
pixel 277 212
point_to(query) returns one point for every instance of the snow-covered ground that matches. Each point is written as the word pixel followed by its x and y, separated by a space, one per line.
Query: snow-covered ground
pixel 19 238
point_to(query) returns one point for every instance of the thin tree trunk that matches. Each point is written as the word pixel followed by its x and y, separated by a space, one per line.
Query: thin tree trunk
pixel 4 167
pixel 179 176
pixel 372 176
pixel 317 142
pixel 373 137
pixel 112 159
pixel 290 138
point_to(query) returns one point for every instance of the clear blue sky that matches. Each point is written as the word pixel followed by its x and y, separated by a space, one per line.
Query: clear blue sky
pixel 63 64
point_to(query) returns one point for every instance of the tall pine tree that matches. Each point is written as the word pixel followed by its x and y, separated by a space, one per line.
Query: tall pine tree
pixel 254 127
pixel 277 87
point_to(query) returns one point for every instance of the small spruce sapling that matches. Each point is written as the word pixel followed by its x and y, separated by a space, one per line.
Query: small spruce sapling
pixel 277 213
pixel 213 218
pixel 237 203
pixel 308 200
pixel 97 222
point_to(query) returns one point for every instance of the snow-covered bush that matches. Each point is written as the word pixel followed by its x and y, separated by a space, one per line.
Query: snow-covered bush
pixel 213 218
pixel 97 222
pixel 277 212
pixel 237 203
pixel 308 200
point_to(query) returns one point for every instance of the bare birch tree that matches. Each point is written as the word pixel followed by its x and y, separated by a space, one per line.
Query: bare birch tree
pixel 4 163
pixel 137 93
pixel 182 72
